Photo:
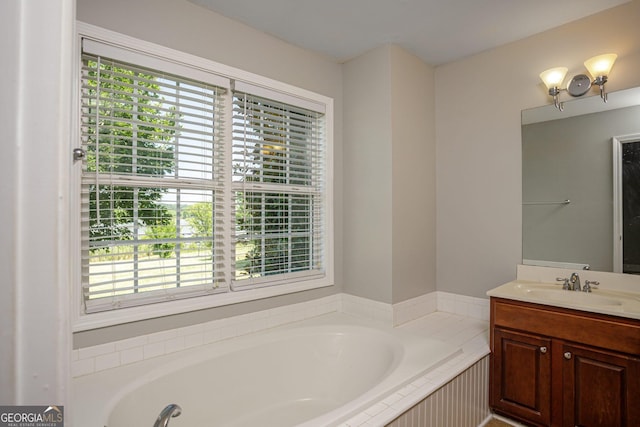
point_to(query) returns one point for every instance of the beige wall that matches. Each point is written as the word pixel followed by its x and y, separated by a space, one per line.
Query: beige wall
pixel 478 104
pixel 368 176
pixel 389 172
pixel 414 176
pixel 181 25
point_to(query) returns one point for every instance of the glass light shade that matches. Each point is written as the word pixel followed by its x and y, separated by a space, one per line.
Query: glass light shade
pixel 600 65
pixel 553 77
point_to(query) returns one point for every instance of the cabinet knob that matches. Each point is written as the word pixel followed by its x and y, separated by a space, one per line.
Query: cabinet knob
pixel 567 355
pixel 543 350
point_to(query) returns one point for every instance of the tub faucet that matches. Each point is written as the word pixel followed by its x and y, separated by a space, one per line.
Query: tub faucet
pixel 575 282
pixel 171 411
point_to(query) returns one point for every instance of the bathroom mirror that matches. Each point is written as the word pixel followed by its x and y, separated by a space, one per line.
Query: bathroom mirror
pixel 581 184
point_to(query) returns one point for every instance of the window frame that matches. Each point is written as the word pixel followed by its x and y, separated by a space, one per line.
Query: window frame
pixel 283 168
pixel 81 321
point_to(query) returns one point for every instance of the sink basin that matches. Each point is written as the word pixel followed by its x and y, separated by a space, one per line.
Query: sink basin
pixel 581 298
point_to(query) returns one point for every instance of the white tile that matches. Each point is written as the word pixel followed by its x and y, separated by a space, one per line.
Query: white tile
pixel 463 308
pixel 460 338
pixel 173 345
pixel 486 310
pixel 375 409
pixel 96 350
pixel 212 325
pixel 474 311
pixel 369 309
pixel 391 399
pixel 407 390
pixel 194 340
pixel 153 350
pixel 131 355
pixel 131 342
pixel 211 336
pixel 358 420
pixel 107 361
pixel 419 382
pixel 403 404
pixel 190 330
pixel 162 336
pixel 82 367
pixel 382 418
pixel 446 303
pixel 429 388
pixel 227 332
pixel 246 327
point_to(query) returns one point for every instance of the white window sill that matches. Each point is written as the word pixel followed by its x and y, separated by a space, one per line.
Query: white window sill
pixel 110 318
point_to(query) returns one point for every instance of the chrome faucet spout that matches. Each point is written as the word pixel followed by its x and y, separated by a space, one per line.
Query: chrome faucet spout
pixel 170 411
pixel 575 282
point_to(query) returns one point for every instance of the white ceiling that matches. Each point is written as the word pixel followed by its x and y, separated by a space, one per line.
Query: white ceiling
pixel 438 31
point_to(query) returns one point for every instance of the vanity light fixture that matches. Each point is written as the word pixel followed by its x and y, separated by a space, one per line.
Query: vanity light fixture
pixel 599 68
pixel 553 78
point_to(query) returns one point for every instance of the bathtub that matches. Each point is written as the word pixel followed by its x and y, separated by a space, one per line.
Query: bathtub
pixel 317 372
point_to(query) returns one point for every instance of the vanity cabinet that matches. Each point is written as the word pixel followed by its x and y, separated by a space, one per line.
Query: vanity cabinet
pixel 552 366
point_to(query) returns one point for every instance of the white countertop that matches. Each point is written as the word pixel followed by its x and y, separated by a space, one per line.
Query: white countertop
pixel 604 300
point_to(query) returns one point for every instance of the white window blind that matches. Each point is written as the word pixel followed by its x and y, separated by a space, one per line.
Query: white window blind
pixel 153 186
pixel 278 157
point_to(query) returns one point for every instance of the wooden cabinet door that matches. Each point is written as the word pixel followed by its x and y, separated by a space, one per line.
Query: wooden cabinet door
pixel 600 389
pixel 521 376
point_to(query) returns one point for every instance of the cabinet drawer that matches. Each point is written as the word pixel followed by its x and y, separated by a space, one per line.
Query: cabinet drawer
pixel 613 333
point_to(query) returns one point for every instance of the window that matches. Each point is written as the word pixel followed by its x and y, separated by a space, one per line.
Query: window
pixel 278 163
pixel 194 184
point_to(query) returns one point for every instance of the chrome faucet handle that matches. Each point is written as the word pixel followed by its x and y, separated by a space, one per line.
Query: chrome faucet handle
pixel 588 284
pixel 565 282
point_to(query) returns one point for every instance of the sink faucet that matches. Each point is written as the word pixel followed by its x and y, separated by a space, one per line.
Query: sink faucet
pixel 574 280
pixel 171 411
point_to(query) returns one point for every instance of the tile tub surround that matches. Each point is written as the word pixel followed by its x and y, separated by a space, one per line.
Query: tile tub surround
pixel 462 330
pixel 88 360
pixel 471 335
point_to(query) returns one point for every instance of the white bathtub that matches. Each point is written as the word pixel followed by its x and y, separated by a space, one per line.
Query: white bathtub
pixel 318 372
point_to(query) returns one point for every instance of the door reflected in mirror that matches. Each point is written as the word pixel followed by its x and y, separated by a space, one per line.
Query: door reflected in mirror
pixel 626 202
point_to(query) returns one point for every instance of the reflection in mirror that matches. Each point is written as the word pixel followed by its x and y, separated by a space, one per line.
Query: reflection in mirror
pixel 581 184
